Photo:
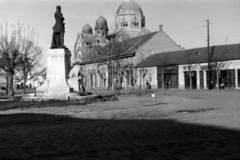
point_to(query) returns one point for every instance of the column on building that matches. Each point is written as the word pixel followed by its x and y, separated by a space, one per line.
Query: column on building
pixel 99 81
pixel 181 82
pixel 94 80
pixel 130 79
pixel 198 76
pixel 236 78
pixel 125 80
pixel 107 76
pixel 89 81
pixel 205 79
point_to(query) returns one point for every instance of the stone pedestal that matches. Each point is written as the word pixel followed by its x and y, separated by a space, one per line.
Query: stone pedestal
pixel 58 67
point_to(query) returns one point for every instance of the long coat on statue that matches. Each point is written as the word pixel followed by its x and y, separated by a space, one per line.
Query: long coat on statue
pixel 59 25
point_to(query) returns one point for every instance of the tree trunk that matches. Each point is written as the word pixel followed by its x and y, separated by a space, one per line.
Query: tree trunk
pixel 190 78
pixel 119 77
pixel 6 83
pixel 109 74
pixel 140 81
pixel 108 79
pixel 10 84
pixel 24 81
pixel 144 86
pixel 117 85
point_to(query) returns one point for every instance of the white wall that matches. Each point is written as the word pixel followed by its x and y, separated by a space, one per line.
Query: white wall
pixel 151 72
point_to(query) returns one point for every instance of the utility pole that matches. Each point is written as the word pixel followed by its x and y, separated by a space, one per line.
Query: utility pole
pixel 209 70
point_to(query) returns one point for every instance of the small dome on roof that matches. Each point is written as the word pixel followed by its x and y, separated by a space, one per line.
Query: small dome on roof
pixel 101 21
pixel 87 29
pixel 129 7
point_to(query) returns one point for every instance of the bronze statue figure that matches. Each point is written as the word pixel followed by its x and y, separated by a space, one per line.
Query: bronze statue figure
pixel 58 30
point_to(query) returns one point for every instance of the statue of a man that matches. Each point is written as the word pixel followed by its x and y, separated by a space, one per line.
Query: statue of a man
pixel 58 30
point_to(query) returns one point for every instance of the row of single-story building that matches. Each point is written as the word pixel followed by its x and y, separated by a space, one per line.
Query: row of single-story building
pixel 216 66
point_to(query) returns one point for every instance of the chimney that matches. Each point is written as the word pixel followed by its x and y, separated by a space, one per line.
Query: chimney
pixel 160 27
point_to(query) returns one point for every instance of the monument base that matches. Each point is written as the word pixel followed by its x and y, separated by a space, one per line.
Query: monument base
pixel 58 67
pixel 56 85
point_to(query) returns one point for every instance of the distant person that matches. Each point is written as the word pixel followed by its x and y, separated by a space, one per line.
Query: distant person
pixel 167 82
pixel 222 83
pixel 148 86
pixel 30 86
pixel 83 88
pixel 80 82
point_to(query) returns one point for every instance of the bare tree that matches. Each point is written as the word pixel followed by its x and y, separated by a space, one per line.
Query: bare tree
pixel 218 65
pixel 31 55
pixel 111 52
pixel 13 43
pixel 143 72
pixel 218 68
pixel 127 70
pixel 10 58
pixel 189 68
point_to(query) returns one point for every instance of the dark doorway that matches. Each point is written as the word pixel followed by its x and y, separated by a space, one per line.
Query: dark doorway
pixel 226 78
pixel 170 77
pixel 187 80
pixel 201 80
pixel 170 81
pixel 229 78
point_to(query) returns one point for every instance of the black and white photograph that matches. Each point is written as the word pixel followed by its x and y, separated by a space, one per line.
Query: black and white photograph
pixel 119 79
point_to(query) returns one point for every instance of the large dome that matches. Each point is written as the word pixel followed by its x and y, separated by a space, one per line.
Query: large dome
pixel 87 29
pixel 129 7
pixel 101 21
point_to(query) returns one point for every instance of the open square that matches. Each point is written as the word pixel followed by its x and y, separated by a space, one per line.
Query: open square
pixel 177 124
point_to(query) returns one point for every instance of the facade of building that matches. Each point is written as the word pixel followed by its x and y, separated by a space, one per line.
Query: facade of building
pixel 218 68
pixel 129 23
pixel 140 43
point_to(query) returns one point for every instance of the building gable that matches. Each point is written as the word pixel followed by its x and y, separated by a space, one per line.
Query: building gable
pixel 158 43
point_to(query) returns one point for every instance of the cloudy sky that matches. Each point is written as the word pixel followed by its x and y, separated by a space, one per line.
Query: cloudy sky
pixel 183 20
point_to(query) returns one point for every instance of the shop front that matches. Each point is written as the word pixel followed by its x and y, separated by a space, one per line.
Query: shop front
pixel 226 78
pixel 170 77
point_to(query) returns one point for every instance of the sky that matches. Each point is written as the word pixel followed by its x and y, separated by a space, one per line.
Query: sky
pixel 183 20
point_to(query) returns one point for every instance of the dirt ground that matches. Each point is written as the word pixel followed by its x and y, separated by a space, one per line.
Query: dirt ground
pixel 177 124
